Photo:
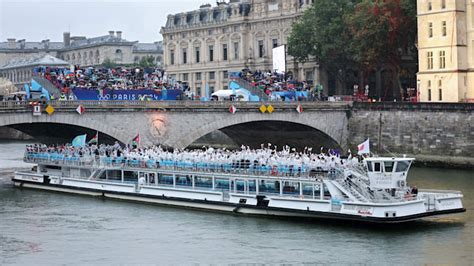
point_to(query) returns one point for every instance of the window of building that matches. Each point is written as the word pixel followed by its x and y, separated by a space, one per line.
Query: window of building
pixel 224 52
pixel 260 49
pixel 443 4
pixel 211 90
pixel 430 29
pixel 443 28
pixel 309 75
pixel 185 76
pixel 172 57
pixel 236 50
pixel 198 91
pixel 275 43
pixel 198 75
pixel 442 59
pixel 430 6
pixel 440 90
pixel 225 74
pixel 185 55
pixel 198 55
pixel 183 35
pixel 212 75
pixel 210 32
pixel 171 37
pixel 429 95
pixel 211 53
pixel 430 60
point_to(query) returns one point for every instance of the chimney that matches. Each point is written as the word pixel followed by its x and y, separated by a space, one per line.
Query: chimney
pixel 11 43
pixel 22 43
pixel 45 44
pixel 119 34
pixel 111 33
pixel 67 39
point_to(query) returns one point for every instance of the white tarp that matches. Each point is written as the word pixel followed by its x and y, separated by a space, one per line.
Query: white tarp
pixel 279 59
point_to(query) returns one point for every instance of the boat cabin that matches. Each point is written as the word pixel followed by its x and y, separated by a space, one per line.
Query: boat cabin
pixel 388 173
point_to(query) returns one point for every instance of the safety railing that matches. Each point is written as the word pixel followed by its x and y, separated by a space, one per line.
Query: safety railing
pixel 225 168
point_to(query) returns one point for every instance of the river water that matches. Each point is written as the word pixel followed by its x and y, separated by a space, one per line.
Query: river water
pixel 39 227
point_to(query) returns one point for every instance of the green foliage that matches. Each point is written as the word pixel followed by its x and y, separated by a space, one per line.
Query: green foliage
pixel 147 61
pixel 321 33
pixel 108 63
pixel 355 34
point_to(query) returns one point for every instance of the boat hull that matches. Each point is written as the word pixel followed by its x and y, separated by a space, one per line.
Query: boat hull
pixel 222 206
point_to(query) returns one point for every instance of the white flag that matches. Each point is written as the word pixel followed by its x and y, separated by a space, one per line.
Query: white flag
pixel 364 148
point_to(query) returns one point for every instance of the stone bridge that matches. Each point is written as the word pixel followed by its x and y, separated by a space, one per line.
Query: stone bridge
pixel 441 132
pixel 178 124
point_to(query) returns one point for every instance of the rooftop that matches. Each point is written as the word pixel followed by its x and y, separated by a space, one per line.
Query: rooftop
pixel 38 60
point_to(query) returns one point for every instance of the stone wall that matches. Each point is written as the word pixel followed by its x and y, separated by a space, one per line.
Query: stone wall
pixel 435 133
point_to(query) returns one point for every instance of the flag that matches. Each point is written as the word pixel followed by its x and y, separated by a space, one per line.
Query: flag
pixel 136 140
pixel 364 148
pixel 95 139
pixel 232 109
pixel 80 109
pixel 299 109
pixel 79 141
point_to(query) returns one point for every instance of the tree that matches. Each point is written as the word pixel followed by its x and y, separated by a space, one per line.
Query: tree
pixel 321 33
pixel 108 63
pixel 381 33
pixel 147 61
pixel 344 35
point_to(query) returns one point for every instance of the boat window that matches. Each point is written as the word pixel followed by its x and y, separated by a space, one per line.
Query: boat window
pixel 369 166
pixel 222 183
pixel 388 166
pixel 114 175
pixel 165 179
pixel 291 188
pixel 204 182
pixel 377 167
pixel 269 186
pixel 402 166
pixel 129 176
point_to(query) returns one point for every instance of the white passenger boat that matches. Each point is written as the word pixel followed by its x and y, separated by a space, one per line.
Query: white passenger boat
pixel 373 191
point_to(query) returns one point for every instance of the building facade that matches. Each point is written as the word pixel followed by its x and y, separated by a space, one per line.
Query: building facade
pixel 79 50
pixel 20 70
pixel 202 46
pixel 446 50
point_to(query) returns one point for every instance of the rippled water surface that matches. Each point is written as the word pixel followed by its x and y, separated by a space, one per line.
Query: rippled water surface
pixel 39 227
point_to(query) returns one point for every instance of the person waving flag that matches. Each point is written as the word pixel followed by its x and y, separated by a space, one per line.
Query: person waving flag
pixel 79 141
pixel 95 139
pixel 364 148
pixel 136 141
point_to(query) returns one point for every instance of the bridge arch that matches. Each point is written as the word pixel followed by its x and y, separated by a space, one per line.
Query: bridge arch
pixel 330 125
pixel 61 123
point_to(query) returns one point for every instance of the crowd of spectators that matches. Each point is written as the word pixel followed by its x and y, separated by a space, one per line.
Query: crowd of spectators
pixel 118 78
pixel 273 84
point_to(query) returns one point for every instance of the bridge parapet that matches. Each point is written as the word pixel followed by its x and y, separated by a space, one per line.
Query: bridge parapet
pixel 185 106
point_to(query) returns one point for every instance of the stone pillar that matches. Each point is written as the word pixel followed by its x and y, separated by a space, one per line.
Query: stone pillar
pixel 378 83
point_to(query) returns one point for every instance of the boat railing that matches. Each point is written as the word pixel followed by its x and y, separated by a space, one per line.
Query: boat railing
pixel 122 162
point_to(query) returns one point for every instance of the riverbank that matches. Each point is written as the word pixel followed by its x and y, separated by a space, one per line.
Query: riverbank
pixel 446 162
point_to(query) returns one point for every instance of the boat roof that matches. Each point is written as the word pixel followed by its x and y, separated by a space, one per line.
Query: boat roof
pixel 384 159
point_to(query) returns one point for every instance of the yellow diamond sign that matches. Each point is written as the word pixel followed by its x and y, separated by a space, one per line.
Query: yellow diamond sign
pixel 270 109
pixel 49 109
pixel 263 109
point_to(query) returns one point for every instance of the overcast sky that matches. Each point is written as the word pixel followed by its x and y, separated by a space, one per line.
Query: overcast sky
pixel 140 20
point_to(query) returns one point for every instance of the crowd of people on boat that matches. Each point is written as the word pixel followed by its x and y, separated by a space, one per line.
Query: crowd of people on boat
pixel 286 161
pixel 117 78
pixel 282 86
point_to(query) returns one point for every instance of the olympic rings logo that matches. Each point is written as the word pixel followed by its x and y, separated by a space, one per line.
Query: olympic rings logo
pixel 102 98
